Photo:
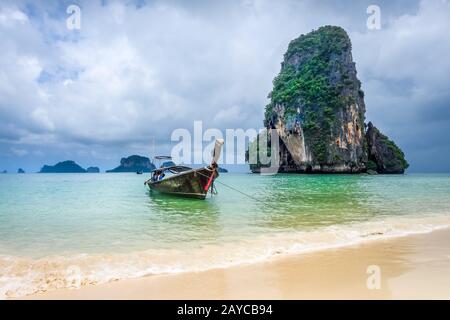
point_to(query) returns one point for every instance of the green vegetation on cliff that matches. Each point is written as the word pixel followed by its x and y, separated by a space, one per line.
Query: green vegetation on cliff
pixel 312 82
pixel 252 155
pixel 384 155
pixel 317 109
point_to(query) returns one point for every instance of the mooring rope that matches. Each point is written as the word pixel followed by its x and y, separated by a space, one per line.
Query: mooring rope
pixel 228 186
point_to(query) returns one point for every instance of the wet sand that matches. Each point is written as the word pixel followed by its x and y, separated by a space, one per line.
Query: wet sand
pixel 411 267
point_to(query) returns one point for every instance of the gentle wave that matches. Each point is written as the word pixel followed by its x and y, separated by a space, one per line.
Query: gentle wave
pixel 23 276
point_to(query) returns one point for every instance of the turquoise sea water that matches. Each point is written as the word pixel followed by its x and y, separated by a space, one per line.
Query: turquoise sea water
pixel 100 227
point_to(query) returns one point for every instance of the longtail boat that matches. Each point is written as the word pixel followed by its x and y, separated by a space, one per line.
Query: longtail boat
pixel 185 181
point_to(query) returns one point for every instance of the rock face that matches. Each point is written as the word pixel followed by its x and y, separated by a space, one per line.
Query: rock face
pixel 384 155
pixel 93 170
pixel 317 106
pixel 134 164
pixel 20 170
pixel 68 166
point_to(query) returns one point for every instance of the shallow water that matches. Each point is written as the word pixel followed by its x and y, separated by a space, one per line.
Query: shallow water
pixel 99 227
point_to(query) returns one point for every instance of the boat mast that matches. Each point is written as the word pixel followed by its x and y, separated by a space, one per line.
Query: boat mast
pixel 216 152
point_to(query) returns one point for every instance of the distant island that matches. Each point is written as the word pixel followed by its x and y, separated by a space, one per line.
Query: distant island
pixel 4 171
pixel 20 170
pixel 67 166
pixel 134 163
pixel 317 108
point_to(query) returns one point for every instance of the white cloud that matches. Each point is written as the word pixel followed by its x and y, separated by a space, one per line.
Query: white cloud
pixel 19 152
pixel 10 17
pixel 41 117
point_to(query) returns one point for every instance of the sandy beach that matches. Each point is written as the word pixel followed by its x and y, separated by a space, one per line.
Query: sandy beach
pixel 411 267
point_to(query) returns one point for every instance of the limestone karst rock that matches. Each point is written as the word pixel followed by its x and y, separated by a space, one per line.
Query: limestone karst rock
pixel 317 107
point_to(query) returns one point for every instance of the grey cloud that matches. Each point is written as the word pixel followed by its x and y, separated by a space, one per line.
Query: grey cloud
pixel 139 69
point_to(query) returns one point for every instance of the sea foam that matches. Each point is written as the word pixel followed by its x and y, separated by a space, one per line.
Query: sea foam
pixel 23 276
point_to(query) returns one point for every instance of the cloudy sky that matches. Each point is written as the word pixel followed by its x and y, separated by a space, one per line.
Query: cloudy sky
pixel 137 70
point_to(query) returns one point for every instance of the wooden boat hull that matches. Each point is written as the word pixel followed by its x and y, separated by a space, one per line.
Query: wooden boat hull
pixel 188 184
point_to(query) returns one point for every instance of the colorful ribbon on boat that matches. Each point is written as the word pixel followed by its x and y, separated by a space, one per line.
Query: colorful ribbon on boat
pixel 209 181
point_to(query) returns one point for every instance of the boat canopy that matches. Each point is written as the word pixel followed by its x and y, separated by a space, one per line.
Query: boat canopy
pixel 173 169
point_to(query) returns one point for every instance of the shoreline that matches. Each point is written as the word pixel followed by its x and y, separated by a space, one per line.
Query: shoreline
pixel 412 267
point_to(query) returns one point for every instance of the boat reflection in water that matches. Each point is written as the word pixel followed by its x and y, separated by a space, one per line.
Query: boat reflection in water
pixel 184 181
